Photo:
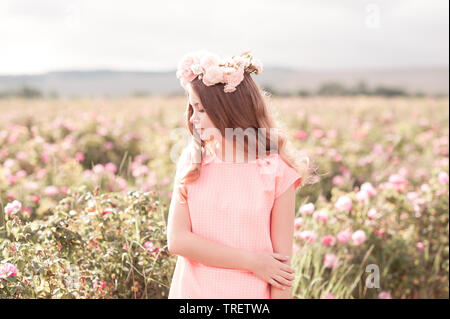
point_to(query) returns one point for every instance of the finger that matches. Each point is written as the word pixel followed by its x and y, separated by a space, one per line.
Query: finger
pixel 285 267
pixel 276 284
pixel 283 281
pixel 279 256
pixel 287 275
pixel 288 269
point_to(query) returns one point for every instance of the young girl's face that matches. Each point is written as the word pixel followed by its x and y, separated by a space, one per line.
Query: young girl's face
pixel 199 119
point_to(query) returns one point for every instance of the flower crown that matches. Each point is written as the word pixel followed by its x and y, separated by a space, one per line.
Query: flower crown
pixel 212 69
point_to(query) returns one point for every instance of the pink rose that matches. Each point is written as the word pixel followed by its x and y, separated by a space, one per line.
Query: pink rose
pixel 369 189
pixel 330 261
pixel 317 133
pixel 140 170
pixel 150 247
pixel 358 237
pixel 372 213
pixel 63 190
pixel 332 133
pixel 338 180
pixel 321 215
pixel 298 223
pixel 51 190
pixel 328 240
pixel 384 295
pixel 258 65
pixel 12 208
pixel 443 178
pixel 307 209
pixel 228 88
pixel 234 78
pixel 8 270
pixel 301 135
pixel 344 203
pixel 213 75
pixel 398 182
pixel 362 196
pixel 328 296
pixel 241 61
pixel 420 246
pixel 21 174
pixel 209 60
pixel 98 169
pixel 308 235
pixel 79 157
pixel 197 69
pixel 111 167
pixel 343 236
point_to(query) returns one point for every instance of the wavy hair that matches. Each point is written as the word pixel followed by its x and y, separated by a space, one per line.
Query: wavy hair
pixel 244 108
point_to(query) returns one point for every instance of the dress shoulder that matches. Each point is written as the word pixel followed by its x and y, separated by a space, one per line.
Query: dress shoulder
pixel 285 177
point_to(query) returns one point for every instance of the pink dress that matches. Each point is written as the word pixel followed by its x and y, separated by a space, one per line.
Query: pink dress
pixel 231 204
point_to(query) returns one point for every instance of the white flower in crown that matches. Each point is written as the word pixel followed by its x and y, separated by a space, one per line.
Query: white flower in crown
pixel 212 69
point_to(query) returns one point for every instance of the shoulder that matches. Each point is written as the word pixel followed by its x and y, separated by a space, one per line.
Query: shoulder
pixel 286 175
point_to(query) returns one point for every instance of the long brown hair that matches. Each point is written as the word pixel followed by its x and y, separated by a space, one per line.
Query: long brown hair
pixel 244 108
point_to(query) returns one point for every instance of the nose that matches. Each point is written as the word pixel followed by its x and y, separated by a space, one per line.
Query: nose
pixel 194 120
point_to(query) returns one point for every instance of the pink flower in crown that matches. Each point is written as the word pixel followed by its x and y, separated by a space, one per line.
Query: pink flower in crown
pixel 235 77
pixel 232 77
pixel 213 75
pixel 241 61
pixel 209 60
pixel 258 65
pixel 197 69
pixel 184 71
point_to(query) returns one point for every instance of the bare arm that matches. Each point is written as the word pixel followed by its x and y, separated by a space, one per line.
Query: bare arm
pixel 181 241
pixel 282 233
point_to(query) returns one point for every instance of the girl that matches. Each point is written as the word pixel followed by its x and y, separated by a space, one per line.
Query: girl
pixel 231 217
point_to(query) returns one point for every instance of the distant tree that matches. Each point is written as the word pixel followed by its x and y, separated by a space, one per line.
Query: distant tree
pixel 28 92
pixel 140 94
pixel 303 92
pixel 332 88
pixel 53 95
pixel 361 89
pixel 389 91
pixel 419 94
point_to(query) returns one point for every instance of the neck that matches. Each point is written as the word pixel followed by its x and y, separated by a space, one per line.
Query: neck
pixel 227 151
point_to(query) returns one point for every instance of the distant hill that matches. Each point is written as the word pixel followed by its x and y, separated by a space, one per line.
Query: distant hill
pixel 433 80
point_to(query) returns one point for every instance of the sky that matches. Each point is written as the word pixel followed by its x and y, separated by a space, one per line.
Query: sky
pixel 52 35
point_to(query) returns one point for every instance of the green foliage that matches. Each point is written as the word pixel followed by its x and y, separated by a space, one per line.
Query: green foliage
pixel 86 238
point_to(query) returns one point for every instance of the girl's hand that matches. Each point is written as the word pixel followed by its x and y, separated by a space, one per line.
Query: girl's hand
pixel 271 268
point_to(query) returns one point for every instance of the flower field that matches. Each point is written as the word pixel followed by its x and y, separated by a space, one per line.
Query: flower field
pixel 85 188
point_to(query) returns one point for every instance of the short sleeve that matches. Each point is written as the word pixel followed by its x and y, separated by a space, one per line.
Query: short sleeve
pixel 182 163
pixel 285 177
